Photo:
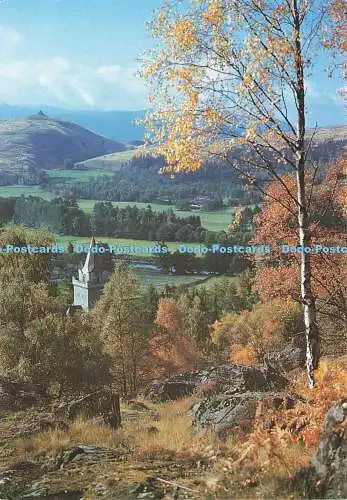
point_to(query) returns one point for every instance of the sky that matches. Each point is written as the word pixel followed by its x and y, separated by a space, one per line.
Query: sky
pixel 82 54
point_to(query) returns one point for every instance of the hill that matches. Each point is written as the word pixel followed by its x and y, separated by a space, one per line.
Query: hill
pixel 116 125
pixel 327 143
pixel 43 142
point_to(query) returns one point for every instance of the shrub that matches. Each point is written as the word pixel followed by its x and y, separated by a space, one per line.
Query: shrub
pixel 263 329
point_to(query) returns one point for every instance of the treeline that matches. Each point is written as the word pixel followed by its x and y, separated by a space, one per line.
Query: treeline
pixel 26 176
pixel 66 218
pixel 139 180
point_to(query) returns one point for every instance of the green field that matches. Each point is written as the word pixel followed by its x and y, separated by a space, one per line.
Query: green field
pixel 78 175
pixel 108 162
pixel 213 221
pixel 7 191
pixel 85 240
pixel 160 280
pixel 88 205
pixel 217 220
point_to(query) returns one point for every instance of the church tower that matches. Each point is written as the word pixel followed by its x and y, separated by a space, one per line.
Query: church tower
pixel 91 278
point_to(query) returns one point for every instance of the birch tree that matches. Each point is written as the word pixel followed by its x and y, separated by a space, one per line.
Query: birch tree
pixel 228 80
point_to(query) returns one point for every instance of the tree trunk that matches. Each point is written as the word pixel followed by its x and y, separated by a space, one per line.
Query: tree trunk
pixel 307 297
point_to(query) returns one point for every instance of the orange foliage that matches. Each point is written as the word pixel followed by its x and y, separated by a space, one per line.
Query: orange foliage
pixel 277 275
pixel 243 355
pixel 293 435
pixel 169 316
pixel 169 349
pixel 337 38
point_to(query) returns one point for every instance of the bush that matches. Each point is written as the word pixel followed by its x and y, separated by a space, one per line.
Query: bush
pixel 263 329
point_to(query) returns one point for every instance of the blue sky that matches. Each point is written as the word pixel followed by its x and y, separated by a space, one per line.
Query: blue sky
pixel 81 54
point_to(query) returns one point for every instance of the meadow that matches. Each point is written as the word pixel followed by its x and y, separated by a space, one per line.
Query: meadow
pixel 78 175
pixel 18 190
pixel 217 220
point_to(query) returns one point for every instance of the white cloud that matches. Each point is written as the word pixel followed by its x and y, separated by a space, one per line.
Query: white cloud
pixel 9 35
pixel 58 81
pixel 111 74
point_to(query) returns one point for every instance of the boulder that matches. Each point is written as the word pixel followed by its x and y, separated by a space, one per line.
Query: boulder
pixel 90 455
pixel 327 475
pixel 226 413
pixel 100 403
pixel 226 379
pixel 292 356
pixel 15 396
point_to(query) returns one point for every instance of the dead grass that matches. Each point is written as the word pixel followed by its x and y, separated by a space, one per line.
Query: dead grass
pixel 253 466
pixel 168 435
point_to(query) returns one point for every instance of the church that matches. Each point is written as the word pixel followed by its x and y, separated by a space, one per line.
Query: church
pixel 87 288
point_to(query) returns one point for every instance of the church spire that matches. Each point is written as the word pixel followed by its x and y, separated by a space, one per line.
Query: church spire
pixel 89 264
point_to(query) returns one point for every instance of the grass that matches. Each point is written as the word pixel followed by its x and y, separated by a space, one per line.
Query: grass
pixel 18 190
pixel 64 240
pixel 88 205
pixel 212 220
pixel 217 220
pixel 109 162
pixel 161 280
pixel 174 434
pixel 78 175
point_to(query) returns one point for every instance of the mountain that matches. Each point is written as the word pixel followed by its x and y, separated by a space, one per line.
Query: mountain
pixel 44 142
pixel 117 125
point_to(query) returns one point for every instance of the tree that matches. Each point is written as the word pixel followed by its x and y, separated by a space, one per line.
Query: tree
pixel 170 350
pixel 124 326
pixel 238 69
pixel 38 343
pixel 34 266
pixel 276 275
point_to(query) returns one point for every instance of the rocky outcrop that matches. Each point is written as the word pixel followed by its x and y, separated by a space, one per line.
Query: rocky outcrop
pixel 292 356
pixel 101 403
pixel 88 455
pixel 327 475
pixel 15 396
pixel 226 379
pixel 226 413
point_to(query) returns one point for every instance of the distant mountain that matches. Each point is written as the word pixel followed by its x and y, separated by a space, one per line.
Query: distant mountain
pixel 44 142
pixel 117 125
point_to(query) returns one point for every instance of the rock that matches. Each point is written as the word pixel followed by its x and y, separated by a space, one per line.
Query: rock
pixel 146 489
pixel 327 475
pixel 227 412
pixel 87 455
pixel 289 358
pixel 137 405
pixel 104 403
pixel 42 489
pixel 15 396
pixel 226 379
